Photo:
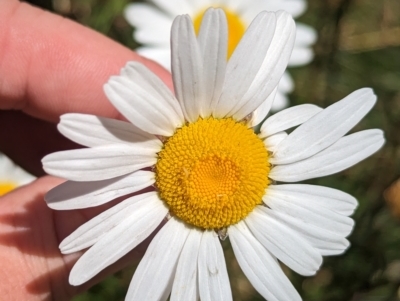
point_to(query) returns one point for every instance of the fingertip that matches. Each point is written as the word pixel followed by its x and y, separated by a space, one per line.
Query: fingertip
pixel 52 65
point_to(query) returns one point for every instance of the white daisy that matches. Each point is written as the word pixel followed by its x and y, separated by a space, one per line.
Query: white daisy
pixel 214 176
pixel 153 20
pixel 11 175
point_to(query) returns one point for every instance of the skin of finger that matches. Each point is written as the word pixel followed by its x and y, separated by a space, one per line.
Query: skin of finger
pixel 50 65
pixel 32 267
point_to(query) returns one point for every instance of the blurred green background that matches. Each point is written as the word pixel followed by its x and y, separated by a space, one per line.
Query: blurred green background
pixel 358 46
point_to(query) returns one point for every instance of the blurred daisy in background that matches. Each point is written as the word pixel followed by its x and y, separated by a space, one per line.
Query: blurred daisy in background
pixel 152 22
pixel 11 175
pixel 214 176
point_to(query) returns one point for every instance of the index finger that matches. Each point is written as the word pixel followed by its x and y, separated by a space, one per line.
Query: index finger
pixel 50 65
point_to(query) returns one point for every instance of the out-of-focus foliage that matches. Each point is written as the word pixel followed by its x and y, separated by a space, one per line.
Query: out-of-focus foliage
pixel 358 46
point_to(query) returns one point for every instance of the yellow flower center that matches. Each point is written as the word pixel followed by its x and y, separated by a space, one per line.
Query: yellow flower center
pixel 6 187
pixel 213 172
pixel 236 28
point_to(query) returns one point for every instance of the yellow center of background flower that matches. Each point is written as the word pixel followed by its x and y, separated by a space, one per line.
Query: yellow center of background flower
pixel 213 172
pixel 236 28
pixel 6 187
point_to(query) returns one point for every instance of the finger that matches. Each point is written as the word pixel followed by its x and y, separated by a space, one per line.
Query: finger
pixel 50 65
pixel 30 234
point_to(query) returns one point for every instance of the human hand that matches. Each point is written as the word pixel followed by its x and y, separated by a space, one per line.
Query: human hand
pixel 48 66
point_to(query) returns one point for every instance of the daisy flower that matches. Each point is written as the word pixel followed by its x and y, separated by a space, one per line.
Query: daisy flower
pixel 213 175
pixel 153 20
pixel 11 175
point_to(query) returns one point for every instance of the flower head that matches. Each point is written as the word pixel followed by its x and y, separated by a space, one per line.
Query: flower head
pixel 153 20
pixel 212 173
pixel 11 175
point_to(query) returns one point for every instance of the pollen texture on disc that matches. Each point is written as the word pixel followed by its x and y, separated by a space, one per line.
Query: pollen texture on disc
pixel 213 172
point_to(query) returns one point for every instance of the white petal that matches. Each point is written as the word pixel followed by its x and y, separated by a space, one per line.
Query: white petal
pixel 213 276
pixel 187 67
pixel 286 84
pixel 92 231
pixel 151 25
pixel 90 130
pixel 144 100
pixel 161 55
pixel 259 266
pixel 281 101
pixel 78 195
pixel 284 243
pixel 305 35
pixel 272 141
pixel 245 63
pixel 185 287
pixel 262 111
pixel 317 216
pixel 119 241
pixel 272 68
pixel 343 154
pixel 10 172
pixel 174 7
pixel 288 118
pixel 314 196
pixel 153 277
pixel 301 56
pixel 213 38
pixel 325 128
pixel 99 163
pixel 293 7
pixel 326 242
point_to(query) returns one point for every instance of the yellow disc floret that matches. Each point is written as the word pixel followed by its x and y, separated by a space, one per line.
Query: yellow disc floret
pixel 236 28
pixel 6 187
pixel 213 172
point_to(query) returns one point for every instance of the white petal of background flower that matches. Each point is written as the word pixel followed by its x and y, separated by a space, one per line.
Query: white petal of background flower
pixel 119 239
pixel 343 154
pixel 153 277
pixel 324 128
pixel 213 276
pixel 10 172
pixel 284 243
pixel 176 7
pixel 187 67
pixel 144 100
pixel 242 68
pixel 293 7
pixel 281 101
pixel 212 39
pixel 161 55
pixel 305 35
pixel 90 130
pixel 286 84
pixel 152 26
pixel 288 118
pixel 300 56
pixel 185 287
pixel 99 163
pixel 262 111
pixel 78 195
pixel 259 266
